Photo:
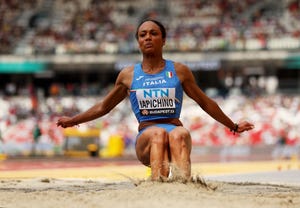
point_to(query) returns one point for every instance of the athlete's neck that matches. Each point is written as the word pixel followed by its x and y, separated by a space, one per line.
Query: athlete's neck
pixel 153 65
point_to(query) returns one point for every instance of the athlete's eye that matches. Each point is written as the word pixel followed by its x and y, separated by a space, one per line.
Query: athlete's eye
pixel 154 33
pixel 142 35
pixel 151 32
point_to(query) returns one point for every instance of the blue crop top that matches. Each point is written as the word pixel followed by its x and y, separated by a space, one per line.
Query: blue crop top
pixel 156 96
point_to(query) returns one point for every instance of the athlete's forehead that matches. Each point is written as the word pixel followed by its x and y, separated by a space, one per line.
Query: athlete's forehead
pixel 148 26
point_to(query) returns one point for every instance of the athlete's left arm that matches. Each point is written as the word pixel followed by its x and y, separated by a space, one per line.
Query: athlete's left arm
pixel 191 88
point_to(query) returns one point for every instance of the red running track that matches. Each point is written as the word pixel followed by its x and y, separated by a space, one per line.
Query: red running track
pixel 33 164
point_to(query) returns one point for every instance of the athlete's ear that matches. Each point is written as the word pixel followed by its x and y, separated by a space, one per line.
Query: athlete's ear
pixel 164 41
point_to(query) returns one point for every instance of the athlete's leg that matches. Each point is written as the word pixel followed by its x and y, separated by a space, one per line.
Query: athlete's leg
pixel 152 149
pixel 180 147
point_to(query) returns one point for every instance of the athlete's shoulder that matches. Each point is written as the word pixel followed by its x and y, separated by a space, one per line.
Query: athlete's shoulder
pixel 128 69
pixel 125 76
pixel 179 65
pixel 181 68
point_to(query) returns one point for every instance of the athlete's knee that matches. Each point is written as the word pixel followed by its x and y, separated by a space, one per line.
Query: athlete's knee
pixel 181 138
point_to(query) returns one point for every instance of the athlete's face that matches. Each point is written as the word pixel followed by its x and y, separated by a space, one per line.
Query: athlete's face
pixel 150 38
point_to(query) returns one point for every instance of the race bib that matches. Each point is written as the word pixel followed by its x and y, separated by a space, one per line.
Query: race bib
pixel 156 101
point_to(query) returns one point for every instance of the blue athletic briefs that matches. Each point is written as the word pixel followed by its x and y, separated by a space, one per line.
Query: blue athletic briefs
pixel 167 127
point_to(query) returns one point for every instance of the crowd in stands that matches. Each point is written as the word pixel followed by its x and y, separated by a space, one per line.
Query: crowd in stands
pixel 94 26
pixel 271 114
pixel 108 26
pixel 12 28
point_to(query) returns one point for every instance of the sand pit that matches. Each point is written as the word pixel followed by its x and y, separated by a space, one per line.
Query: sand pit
pixel 90 193
pixel 248 185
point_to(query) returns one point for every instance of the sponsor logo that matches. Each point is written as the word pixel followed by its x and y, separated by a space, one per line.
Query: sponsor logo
pixel 156 101
pixel 140 77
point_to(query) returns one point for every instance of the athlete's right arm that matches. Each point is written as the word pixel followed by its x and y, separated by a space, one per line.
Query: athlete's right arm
pixel 113 98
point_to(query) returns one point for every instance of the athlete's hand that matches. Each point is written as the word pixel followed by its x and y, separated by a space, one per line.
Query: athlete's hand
pixel 65 122
pixel 244 126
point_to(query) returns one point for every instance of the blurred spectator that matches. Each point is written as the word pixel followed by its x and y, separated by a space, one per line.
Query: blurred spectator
pixel 107 26
pixel 270 113
pixel 36 133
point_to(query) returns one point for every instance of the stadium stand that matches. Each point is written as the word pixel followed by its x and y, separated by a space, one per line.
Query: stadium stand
pixel 91 29
pixel 61 26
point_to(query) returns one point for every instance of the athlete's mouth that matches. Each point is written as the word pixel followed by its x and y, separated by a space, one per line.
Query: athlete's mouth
pixel 148 45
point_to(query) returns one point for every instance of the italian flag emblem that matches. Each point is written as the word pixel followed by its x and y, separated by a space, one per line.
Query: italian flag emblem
pixel 169 74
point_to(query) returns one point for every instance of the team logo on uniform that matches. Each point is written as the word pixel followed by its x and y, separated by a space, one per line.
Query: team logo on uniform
pixel 145 112
pixel 169 74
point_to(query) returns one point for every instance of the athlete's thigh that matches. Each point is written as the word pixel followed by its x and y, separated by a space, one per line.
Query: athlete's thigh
pixel 143 144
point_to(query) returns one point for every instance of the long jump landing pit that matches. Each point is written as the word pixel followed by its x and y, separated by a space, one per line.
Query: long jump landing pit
pixel 234 184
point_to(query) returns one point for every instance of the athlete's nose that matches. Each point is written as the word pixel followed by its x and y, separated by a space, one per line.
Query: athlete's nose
pixel 148 36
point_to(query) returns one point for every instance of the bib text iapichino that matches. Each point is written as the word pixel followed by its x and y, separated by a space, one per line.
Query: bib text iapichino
pixel 156 101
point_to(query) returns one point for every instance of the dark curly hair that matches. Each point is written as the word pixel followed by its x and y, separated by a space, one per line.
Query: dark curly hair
pixel 159 24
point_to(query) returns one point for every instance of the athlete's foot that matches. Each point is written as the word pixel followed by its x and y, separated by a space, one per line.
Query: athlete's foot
pixel 159 179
